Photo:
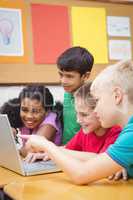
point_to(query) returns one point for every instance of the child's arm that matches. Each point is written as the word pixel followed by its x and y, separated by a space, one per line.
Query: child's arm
pixel 49 127
pixel 80 172
pixel 32 157
pixel 47 131
pixel 80 155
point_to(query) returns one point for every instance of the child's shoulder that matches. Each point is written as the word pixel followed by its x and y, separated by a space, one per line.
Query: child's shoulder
pixel 114 130
pixel 50 117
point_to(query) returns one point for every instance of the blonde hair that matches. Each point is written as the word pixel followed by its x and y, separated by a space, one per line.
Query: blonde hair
pixel 117 75
pixel 84 94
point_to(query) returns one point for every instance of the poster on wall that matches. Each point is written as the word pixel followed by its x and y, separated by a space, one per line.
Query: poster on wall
pixel 51 36
pixel 89 31
pixel 11 38
pixel 120 49
pixel 118 26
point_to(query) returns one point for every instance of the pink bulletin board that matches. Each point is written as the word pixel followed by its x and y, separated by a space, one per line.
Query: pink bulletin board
pixel 51 34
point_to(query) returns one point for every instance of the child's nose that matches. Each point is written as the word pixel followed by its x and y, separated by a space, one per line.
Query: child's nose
pixel 79 119
pixel 29 115
pixel 64 80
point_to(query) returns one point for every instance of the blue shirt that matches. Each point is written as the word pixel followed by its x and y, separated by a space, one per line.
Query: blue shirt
pixel 122 150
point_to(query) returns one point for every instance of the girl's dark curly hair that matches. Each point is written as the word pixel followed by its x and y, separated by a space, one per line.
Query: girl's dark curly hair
pixel 12 109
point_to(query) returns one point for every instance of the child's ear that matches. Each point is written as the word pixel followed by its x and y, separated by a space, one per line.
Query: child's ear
pixel 86 76
pixel 118 95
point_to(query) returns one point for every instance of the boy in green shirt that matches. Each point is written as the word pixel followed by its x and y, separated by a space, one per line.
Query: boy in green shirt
pixel 74 66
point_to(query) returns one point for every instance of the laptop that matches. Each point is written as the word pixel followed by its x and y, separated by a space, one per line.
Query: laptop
pixel 10 157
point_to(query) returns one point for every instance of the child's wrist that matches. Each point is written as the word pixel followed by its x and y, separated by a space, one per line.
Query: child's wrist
pixel 49 146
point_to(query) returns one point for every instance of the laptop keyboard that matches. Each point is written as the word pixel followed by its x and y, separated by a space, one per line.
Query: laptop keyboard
pixel 38 166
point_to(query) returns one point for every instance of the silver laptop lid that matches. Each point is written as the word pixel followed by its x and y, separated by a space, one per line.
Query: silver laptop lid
pixel 9 154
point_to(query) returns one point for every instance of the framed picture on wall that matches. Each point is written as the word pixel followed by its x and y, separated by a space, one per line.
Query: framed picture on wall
pixel 12 33
pixel 11 37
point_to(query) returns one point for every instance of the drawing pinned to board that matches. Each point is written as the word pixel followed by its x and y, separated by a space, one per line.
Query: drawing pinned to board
pixel 11 37
pixel 6 29
pixel 118 26
pixel 120 49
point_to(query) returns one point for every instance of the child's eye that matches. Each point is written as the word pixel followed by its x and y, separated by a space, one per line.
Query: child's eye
pixel 24 109
pixel 69 76
pixel 34 111
pixel 85 115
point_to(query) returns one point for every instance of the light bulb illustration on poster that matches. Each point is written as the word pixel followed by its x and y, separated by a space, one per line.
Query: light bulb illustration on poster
pixel 11 37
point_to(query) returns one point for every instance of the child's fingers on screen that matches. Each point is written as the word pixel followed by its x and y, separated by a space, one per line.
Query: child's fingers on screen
pixel 26 137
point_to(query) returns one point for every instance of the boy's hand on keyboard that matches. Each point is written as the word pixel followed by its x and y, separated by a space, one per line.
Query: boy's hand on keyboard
pixel 32 157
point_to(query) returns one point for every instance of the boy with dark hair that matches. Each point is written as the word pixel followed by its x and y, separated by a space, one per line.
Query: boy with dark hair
pixel 74 66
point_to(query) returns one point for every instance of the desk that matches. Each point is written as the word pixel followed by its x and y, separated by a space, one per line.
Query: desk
pixel 58 187
pixel 7 176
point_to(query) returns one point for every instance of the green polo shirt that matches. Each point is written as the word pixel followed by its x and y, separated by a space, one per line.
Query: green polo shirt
pixel 71 127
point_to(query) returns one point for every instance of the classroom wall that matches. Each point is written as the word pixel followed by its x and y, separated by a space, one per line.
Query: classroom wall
pixel 22 73
pixel 8 92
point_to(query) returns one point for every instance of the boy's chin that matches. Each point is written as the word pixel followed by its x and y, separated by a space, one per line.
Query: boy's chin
pixel 86 130
pixel 67 89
